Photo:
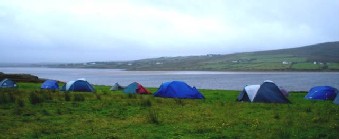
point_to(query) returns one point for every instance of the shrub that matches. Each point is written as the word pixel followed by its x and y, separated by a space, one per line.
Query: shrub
pixel 7 98
pixel 308 109
pixel 35 98
pixel 3 98
pixel 79 97
pixel 153 117
pixel 283 133
pixel 17 111
pixel 45 112
pixel 59 111
pixel 11 97
pixel 179 102
pixel 146 102
pixel 276 116
pixel 98 96
pixel 67 96
pixel 20 102
pixel 47 95
pixel 75 104
pixel 132 96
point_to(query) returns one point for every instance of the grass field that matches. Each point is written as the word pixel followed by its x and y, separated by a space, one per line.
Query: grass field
pixel 31 113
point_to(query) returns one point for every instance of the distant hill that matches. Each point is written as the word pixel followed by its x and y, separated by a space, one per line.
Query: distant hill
pixel 324 52
pixel 318 57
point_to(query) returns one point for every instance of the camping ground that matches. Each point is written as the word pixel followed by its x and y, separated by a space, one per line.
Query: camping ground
pixel 28 112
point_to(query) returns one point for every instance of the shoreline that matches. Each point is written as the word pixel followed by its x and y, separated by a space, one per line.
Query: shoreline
pixel 155 70
pixel 292 81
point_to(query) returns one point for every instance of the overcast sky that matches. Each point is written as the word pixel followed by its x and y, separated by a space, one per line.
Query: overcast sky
pixel 35 31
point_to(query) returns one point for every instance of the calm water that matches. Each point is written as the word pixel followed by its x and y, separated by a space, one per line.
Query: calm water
pixel 296 81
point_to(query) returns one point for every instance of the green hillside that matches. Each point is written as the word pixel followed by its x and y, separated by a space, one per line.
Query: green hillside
pixel 318 57
pixel 323 52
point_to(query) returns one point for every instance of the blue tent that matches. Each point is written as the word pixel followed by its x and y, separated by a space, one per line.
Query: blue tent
pixel 178 89
pixel 336 100
pixel 322 93
pixel 7 83
pixel 78 86
pixel 267 92
pixel 50 85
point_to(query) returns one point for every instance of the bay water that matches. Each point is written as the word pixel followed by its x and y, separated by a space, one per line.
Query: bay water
pixel 292 81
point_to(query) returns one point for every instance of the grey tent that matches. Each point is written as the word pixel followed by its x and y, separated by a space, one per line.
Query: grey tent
pixel 267 92
pixel 336 100
pixel 117 86
pixel 7 83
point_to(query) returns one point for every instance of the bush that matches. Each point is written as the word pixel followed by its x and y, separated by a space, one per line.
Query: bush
pixel 67 96
pixel 98 96
pixel 35 98
pixel 153 117
pixel 11 97
pixel 17 111
pixel 132 96
pixel 7 98
pixel 45 112
pixel 79 97
pixel 20 102
pixel 146 102
pixel 3 98
pixel 47 95
pixel 179 102
pixel 59 111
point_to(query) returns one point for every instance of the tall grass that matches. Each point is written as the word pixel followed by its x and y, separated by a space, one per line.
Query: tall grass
pixel 35 98
pixel 8 96
pixel 153 117
pixel 119 115
pixel 20 102
pixel 79 97
pixel 67 96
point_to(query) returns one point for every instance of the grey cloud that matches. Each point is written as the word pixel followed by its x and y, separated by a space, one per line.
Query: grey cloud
pixel 102 31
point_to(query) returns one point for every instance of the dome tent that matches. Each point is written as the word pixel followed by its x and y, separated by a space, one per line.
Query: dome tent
pixel 50 85
pixel 136 88
pixel 80 85
pixel 267 92
pixel 178 89
pixel 322 93
pixel 7 83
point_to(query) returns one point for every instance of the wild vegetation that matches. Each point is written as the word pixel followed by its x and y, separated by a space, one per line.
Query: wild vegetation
pixel 28 112
pixel 319 57
pixel 21 77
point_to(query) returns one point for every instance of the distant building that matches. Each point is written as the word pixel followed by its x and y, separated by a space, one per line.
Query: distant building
pixel 315 63
pixel 286 62
pixel 91 63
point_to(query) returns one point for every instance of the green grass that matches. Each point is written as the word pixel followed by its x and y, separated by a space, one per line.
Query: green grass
pixel 118 115
pixel 306 66
pixel 333 66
